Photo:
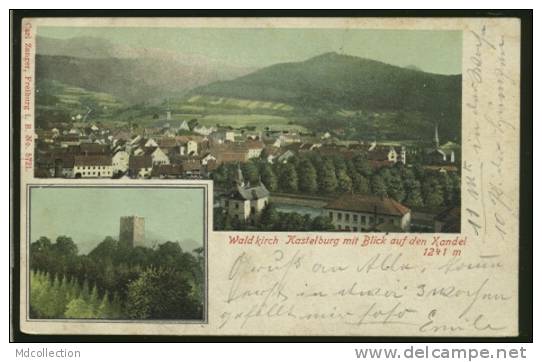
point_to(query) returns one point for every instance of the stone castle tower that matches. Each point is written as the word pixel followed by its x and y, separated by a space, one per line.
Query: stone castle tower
pixel 132 231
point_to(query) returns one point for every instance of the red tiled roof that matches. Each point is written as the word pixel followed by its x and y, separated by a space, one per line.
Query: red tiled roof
pixel 184 139
pixel 379 164
pixel 212 165
pixel 41 172
pixel 254 144
pixel 230 153
pixel 293 146
pixel 232 157
pixel 67 159
pixel 139 162
pixel 272 151
pixel 368 204
pixel 191 165
pixel 93 149
pixel 344 152
pixel 94 160
pixel 167 170
pixel 167 142
pixel 378 154
pixel 68 138
pixel 306 146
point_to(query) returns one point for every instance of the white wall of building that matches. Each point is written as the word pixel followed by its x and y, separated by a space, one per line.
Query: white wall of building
pixel 356 221
pixel 120 161
pixel 93 171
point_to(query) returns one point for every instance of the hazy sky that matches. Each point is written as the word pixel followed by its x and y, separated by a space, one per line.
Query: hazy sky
pixel 88 215
pixel 429 50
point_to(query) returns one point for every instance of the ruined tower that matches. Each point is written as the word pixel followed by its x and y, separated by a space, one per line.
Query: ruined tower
pixel 132 231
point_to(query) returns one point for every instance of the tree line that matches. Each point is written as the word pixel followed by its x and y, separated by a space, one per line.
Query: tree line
pixel 52 297
pixel 271 219
pixel 313 174
pixel 115 281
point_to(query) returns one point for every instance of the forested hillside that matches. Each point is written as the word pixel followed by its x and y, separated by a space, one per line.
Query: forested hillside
pixel 115 281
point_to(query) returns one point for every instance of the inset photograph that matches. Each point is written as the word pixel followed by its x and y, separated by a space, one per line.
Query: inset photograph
pixel 117 253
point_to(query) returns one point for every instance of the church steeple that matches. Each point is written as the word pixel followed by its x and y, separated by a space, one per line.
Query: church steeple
pixel 240 180
pixel 436 139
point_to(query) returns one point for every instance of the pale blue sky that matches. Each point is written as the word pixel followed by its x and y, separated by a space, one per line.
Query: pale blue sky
pixel 430 50
pixel 88 215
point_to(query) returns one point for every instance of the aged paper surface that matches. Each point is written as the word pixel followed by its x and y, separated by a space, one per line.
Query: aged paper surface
pixel 373 269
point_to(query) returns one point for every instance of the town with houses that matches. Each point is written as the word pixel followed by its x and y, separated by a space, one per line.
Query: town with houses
pixel 184 149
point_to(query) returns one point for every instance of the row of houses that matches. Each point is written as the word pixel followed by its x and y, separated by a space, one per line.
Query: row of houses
pixel 97 152
pixel 137 157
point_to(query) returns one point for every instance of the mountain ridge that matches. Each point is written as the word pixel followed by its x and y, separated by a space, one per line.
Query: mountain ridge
pixel 129 73
pixel 348 81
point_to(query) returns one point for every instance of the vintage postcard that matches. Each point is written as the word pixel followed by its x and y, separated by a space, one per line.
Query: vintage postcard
pixel 270 176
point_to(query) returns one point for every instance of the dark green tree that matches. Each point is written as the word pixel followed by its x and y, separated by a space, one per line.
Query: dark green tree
pixel 378 186
pixel 168 254
pixel 321 223
pixel 414 193
pixel 107 249
pixel 360 184
pixel 65 246
pixel 161 293
pixel 288 181
pixel 327 178
pixel 344 181
pixel 251 172
pixel 432 192
pixel 269 217
pixel 193 123
pixel 395 188
pixel 221 176
pixel 307 177
pixel 43 244
pixel 218 218
pixel 362 165
pixel 269 178
pixel 455 180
